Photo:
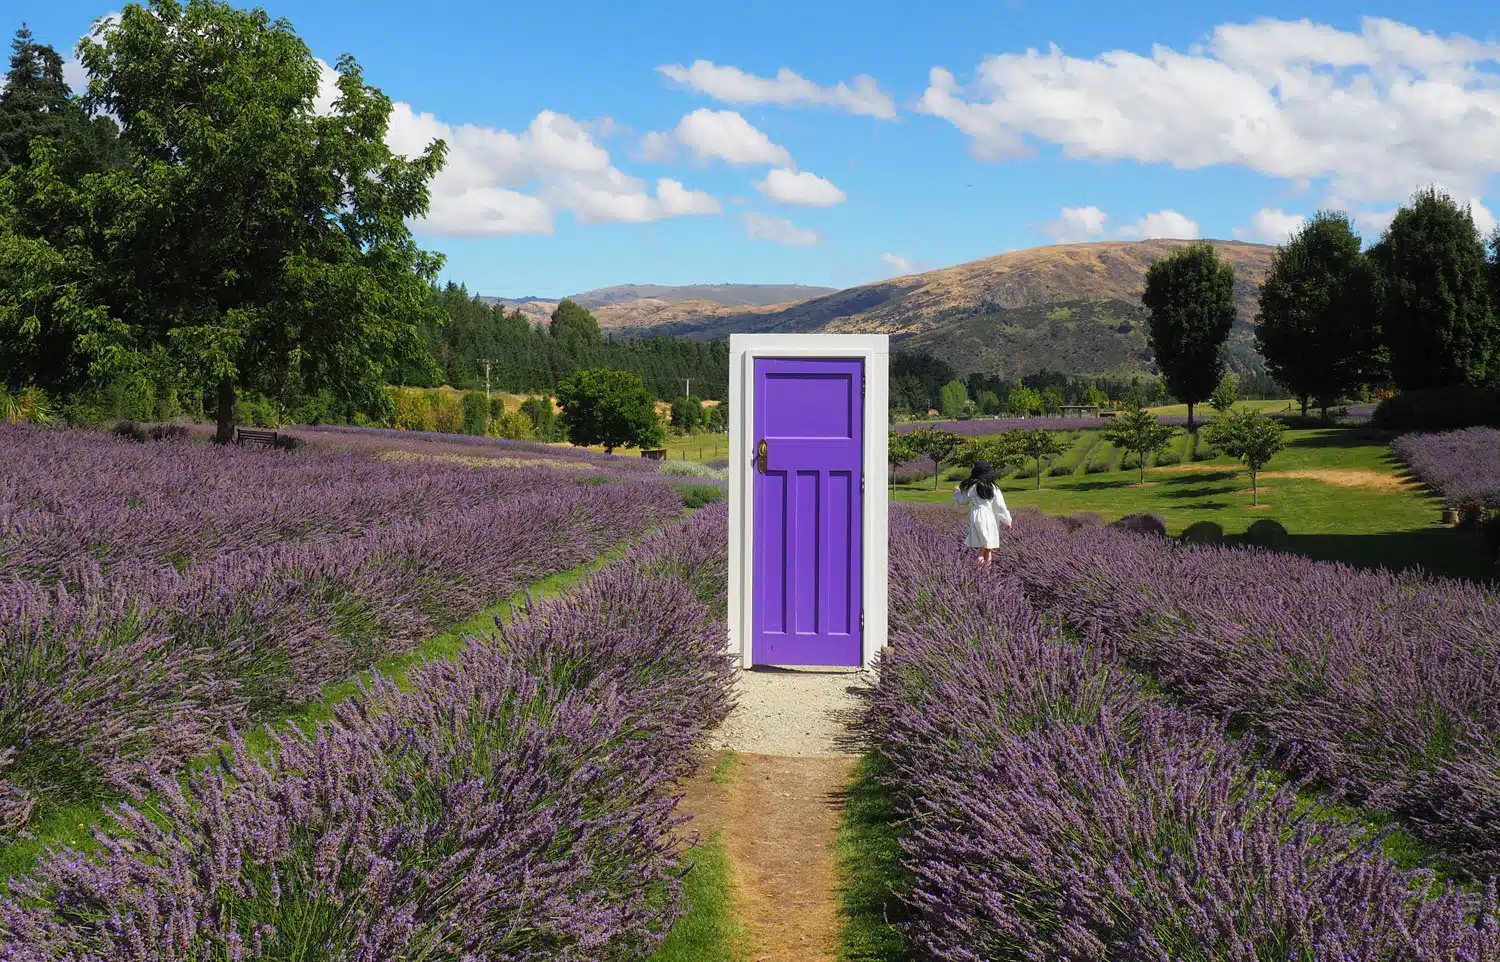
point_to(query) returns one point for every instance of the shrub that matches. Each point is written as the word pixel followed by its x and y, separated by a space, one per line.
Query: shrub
pixel 1142 524
pixel 692 469
pixel 150 432
pixel 476 411
pixel 1082 521
pixel 447 412
pixel 698 495
pixel 1439 409
pixel 413 411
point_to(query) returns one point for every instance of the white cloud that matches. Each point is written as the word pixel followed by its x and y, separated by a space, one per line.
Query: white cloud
pixel 1271 225
pixel 1162 223
pixel 1375 114
pixel 656 148
pixel 900 264
pixel 778 230
pixel 862 96
pixel 802 188
pixel 1076 224
pixel 725 135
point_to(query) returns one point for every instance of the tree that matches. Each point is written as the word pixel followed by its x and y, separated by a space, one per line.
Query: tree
pixel 687 414
pixel 1190 299
pixel 255 238
pixel 1095 397
pixel 476 413
pixel 1435 312
pixel 35 102
pixel 953 399
pixel 1139 433
pixel 1317 325
pixel 1250 437
pixel 717 418
pixel 1053 399
pixel 1025 401
pixel 936 444
pixel 1225 394
pixel 1035 445
pixel 989 402
pixel 612 408
pixel 539 412
pixel 899 450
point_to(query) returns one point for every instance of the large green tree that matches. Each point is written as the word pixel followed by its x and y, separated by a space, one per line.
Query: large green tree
pixel 610 408
pixel 256 240
pixel 1435 313
pixel 1317 325
pixel 1189 298
pixel 35 103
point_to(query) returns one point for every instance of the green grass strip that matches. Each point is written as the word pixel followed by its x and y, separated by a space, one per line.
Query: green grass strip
pixel 710 930
pixel 871 876
pixel 73 825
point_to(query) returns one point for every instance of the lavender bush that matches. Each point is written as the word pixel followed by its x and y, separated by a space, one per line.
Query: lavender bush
pixel 116 663
pixel 511 805
pixel 1462 466
pixel 1055 810
pixel 1381 687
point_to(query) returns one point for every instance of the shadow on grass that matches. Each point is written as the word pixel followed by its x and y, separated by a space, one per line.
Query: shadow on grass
pixel 1207 474
pixel 1338 438
pixel 1203 492
pixel 1117 485
pixel 1435 550
pixel 871 876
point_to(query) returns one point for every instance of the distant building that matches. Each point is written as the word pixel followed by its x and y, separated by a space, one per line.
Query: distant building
pixel 1080 410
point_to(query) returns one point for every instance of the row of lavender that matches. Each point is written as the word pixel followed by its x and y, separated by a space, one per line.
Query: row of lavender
pixel 1383 688
pixel 514 804
pixel 1054 808
pixel 429 442
pixel 110 673
pixel 74 501
pixel 1462 466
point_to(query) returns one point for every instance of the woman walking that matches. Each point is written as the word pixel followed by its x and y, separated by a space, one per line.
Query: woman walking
pixel 987 510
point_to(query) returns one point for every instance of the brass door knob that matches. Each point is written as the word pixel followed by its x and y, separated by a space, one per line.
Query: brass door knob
pixel 762 452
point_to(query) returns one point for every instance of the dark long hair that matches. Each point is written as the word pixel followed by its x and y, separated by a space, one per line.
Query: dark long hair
pixel 981 481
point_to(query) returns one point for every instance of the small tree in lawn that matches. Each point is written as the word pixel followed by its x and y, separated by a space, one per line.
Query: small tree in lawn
pixel 1036 445
pixel 1140 434
pixel 935 444
pixel 612 408
pixel 1250 437
pixel 898 451
pixel 1225 394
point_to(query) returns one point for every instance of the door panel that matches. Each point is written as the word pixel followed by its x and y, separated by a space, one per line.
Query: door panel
pixel 807 504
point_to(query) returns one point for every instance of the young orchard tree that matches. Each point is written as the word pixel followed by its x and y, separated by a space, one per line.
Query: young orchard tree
pixel 1190 299
pixel 1249 437
pixel 1139 433
pixel 898 451
pixel 936 444
pixel 610 408
pixel 1317 325
pixel 1035 445
pixel 1225 394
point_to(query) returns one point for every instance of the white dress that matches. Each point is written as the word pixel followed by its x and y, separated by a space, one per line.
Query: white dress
pixel 985 518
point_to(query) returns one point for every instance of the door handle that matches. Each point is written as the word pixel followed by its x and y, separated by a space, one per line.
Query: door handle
pixel 762 453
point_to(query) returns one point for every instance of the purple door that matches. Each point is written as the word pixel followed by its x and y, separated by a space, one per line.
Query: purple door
pixel 809 489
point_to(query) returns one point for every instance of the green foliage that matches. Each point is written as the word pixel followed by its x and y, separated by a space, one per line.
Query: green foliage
pixel 543 418
pixel 35 103
pixel 1439 409
pixel 256 411
pixel 935 444
pixel 716 418
pixel 609 408
pixel 1024 401
pixel 447 412
pixel 899 450
pixel 514 425
pixel 1053 399
pixel 698 495
pixel 29 405
pixel 1318 324
pixel 256 241
pixel 1189 297
pixel 1036 446
pixel 1225 394
pixel 414 410
pixel 989 402
pixel 1435 312
pixel 476 412
pixel 1139 433
pixel 687 414
pixel 953 399
pixel 1249 437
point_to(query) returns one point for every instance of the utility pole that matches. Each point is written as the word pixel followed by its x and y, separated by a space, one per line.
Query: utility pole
pixel 687 390
pixel 486 362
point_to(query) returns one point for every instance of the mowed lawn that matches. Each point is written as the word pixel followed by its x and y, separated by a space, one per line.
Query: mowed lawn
pixel 1339 495
pixel 692 447
pixel 1204 412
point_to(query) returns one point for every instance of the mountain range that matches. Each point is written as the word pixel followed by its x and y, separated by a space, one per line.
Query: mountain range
pixel 1068 307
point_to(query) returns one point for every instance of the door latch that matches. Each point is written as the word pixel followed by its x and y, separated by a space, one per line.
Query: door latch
pixel 762 454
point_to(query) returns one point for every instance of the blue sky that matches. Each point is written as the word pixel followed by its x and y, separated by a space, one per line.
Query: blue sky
pixel 607 143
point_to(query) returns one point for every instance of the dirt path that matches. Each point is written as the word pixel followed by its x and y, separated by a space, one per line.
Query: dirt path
pixel 778 817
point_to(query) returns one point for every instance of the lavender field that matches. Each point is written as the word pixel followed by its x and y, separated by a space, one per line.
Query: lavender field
pixel 510 804
pixel 157 596
pixel 1053 804
pixel 1462 466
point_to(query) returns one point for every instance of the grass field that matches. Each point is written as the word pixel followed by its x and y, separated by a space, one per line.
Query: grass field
pixel 1205 412
pixel 693 447
pixel 1340 496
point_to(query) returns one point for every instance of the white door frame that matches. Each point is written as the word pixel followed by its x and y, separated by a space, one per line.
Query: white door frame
pixel 874 350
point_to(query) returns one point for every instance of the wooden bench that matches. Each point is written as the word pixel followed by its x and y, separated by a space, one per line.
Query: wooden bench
pixel 255 436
